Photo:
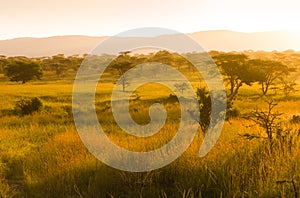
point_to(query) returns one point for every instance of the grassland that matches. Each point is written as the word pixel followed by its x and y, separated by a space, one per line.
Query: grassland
pixel 41 155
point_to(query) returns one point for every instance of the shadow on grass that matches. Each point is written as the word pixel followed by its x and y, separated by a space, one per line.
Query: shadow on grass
pixel 244 173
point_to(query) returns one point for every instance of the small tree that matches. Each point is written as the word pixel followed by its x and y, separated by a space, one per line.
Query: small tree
pixel 59 64
pixel 279 134
pixel 205 108
pixel 121 64
pixel 288 87
pixel 181 87
pixel 124 81
pixel 23 71
pixel 268 119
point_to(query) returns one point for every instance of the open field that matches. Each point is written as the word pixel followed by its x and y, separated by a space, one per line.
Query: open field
pixel 42 155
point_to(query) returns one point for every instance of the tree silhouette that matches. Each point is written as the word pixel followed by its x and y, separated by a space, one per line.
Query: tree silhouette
pixel 268 71
pixel 181 87
pixel 236 71
pixel 121 64
pixel 205 108
pixel 23 71
pixel 59 64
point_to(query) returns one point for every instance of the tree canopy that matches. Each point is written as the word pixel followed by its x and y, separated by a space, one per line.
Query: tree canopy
pixel 23 71
pixel 268 71
pixel 236 71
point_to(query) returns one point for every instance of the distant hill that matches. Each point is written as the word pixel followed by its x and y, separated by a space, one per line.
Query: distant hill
pixel 220 40
pixel 38 47
pixel 238 41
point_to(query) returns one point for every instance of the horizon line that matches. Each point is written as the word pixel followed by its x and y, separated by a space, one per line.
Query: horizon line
pixel 98 36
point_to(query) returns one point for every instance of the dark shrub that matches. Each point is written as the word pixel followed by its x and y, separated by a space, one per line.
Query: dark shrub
pixel 172 98
pixel 232 112
pixel 28 106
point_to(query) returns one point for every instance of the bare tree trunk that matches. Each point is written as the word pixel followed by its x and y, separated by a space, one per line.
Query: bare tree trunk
pixel 264 88
pixel 234 91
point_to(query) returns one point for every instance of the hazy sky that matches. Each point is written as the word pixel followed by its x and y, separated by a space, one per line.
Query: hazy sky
pixel 42 18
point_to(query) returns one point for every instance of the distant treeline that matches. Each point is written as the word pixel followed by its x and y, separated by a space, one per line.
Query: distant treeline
pixel 60 63
pixel 265 68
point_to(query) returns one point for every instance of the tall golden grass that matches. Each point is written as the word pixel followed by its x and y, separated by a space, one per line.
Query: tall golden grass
pixel 41 155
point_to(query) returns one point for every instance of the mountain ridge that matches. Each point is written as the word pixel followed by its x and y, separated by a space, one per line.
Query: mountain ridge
pixel 220 40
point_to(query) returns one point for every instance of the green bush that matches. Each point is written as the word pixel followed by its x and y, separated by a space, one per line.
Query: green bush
pixel 28 106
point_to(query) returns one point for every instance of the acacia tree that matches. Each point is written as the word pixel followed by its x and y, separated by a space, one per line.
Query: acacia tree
pixel 59 63
pixel 268 71
pixel 181 87
pixel 236 71
pixel 23 71
pixel 121 64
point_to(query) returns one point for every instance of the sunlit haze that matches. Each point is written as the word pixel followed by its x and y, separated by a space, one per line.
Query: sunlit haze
pixel 35 18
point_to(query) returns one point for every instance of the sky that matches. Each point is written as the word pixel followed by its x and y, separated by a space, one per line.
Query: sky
pixel 44 18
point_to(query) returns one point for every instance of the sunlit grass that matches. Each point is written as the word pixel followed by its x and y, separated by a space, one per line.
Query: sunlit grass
pixel 45 152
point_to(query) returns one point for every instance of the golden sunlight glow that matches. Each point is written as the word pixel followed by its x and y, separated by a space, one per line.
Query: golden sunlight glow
pixel 33 18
